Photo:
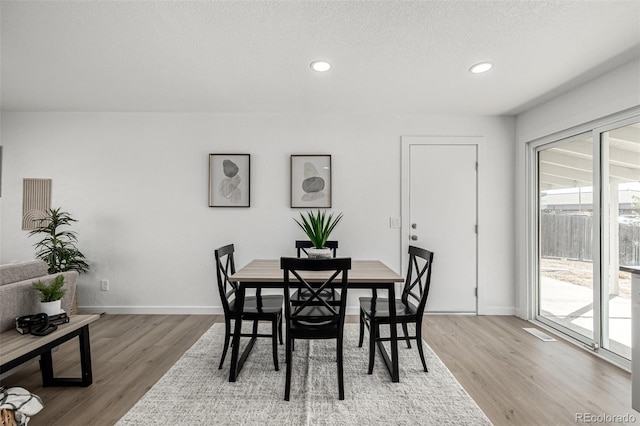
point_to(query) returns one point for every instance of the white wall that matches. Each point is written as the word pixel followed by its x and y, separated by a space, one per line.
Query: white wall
pixel 137 183
pixel 608 94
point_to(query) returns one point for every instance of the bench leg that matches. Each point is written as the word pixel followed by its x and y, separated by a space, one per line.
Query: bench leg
pixel 46 365
pixel 85 357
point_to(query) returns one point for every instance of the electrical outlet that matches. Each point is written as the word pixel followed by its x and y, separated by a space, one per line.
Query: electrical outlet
pixel 104 285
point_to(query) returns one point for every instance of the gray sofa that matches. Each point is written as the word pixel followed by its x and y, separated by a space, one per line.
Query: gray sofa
pixel 18 297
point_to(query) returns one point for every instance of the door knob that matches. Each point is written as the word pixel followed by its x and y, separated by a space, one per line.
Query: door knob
pixel 414 237
pixel 414 225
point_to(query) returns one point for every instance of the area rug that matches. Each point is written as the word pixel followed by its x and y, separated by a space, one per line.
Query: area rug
pixel 195 392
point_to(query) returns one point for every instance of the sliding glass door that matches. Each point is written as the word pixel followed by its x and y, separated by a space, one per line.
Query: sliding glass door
pixel 588 225
pixel 620 159
pixel 565 238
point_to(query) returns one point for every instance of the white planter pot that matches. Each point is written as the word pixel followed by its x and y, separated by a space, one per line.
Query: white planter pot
pixel 50 308
pixel 319 253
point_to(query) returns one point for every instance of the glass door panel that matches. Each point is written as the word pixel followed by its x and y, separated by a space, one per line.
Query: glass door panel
pixel 621 233
pixel 565 236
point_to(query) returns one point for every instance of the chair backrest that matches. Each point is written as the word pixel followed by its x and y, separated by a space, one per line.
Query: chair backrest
pixel 225 267
pixel 303 245
pixel 325 274
pixel 418 281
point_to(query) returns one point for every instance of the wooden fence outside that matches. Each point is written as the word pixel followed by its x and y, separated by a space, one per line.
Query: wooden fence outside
pixel 567 236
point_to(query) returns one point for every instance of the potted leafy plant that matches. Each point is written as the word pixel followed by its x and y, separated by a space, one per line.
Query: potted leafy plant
pixel 50 295
pixel 58 247
pixel 318 227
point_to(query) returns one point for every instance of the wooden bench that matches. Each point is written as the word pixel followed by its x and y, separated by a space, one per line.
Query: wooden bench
pixel 16 349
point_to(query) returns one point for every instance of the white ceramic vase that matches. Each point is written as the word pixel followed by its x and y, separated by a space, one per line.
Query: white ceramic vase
pixel 319 253
pixel 51 308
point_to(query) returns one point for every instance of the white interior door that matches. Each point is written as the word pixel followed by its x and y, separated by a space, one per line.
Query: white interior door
pixel 443 218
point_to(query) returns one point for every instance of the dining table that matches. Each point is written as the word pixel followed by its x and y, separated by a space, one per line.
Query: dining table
pixel 364 274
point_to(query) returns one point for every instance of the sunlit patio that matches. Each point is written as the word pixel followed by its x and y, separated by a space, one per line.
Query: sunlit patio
pixel 571 305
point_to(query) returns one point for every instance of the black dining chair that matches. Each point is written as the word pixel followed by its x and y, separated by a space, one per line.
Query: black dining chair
pixel 409 308
pixel 315 317
pixel 301 248
pixel 303 245
pixel 256 308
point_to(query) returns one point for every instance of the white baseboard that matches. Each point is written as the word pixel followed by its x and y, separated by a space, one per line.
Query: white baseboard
pixel 353 310
pixel 498 310
pixel 154 310
pixel 521 314
pixel 217 310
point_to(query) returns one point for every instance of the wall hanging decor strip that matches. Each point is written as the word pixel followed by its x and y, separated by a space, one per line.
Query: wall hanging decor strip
pixel 36 200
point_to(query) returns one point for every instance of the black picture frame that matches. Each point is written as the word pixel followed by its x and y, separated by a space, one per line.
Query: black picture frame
pixel 311 185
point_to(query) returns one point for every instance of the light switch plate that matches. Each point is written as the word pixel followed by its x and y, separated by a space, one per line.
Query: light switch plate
pixel 395 222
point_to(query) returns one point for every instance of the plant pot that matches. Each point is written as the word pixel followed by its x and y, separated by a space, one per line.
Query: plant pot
pixel 51 308
pixel 319 253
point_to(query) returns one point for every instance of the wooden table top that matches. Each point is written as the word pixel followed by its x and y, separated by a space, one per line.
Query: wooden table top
pixel 14 344
pixel 362 271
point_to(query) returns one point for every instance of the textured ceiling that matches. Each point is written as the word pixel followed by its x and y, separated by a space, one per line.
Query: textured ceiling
pixel 408 57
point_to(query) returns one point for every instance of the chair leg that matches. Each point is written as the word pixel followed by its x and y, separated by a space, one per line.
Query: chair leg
pixel 280 328
pixel 255 327
pixel 287 386
pixel 274 342
pixel 406 334
pixel 227 337
pixel 374 331
pixel 340 370
pixel 419 344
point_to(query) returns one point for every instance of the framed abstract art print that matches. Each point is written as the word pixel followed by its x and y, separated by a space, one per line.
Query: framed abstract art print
pixel 311 181
pixel 229 180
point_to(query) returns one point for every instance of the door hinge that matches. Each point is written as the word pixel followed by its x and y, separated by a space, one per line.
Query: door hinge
pixel 476 291
pixel 476 229
pixel 476 166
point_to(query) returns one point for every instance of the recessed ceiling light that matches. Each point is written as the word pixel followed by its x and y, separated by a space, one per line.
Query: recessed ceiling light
pixel 320 66
pixel 481 67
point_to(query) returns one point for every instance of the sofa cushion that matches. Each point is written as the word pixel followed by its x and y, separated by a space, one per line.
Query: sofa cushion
pixel 14 272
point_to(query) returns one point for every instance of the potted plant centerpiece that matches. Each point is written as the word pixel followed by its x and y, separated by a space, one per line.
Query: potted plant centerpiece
pixel 50 295
pixel 318 227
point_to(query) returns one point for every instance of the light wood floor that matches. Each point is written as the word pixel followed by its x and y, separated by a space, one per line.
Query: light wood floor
pixel 515 378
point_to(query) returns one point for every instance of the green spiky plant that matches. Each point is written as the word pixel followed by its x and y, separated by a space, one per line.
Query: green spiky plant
pixel 318 226
pixel 51 292
pixel 58 247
